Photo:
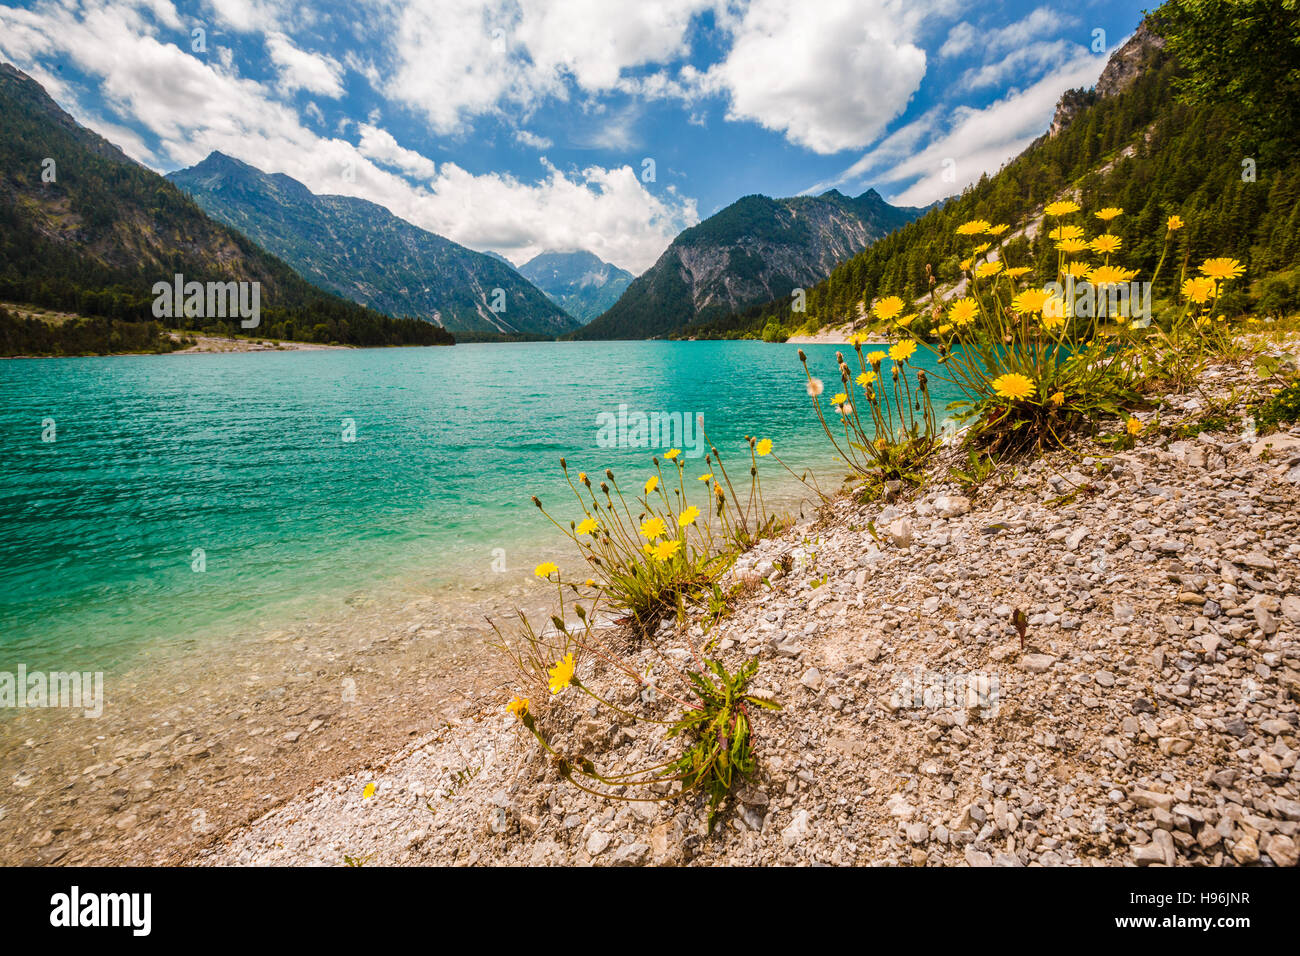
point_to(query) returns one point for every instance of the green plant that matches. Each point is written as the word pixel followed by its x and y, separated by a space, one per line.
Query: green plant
pixel 1281 407
pixel 980 466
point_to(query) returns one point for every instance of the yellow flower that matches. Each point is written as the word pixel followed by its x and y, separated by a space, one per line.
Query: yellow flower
pixel 815 387
pixel 545 570
pixel 998 230
pixel 1134 426
pixel 582 477
pixel 707 477
pixel 590 582
pixel 1105 243
pixel 865 378
pixel 1072 247
pixel 1199 289
pixel 562 673
pixel 962 312
pixel 857 338
pixel 1079 268
pixel 942 330
pixel 666 549
pixel 973 228
pixel 839 399
pixel 1014 385
pixel 1175 223
pixel 518 707
pixel 368 791
pixel 1062 208
pixel 651 483
pixel 1110 275
pixel 906 320
pixel 1222 268
pixel 1058 399
pixel 887 308
pixel 588 526
pixel 1066 232
pixel 986 269
pixel 903 350
pixel 875 358
pixel 764 447
pixel 1017 271
pixel 1031 300
pixel 982 247
pixel 965 264
pixel 688 516
pixel 653 528
pixel 1109 213
pixel 672 453
pixel 1053 315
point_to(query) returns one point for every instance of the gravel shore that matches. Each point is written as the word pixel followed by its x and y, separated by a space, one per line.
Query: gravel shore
pixel 1151 718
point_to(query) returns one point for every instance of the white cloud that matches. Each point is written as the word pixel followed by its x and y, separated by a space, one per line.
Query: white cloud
pixel 301 70
pixel 192 107
pixel 829 75
pixel 532 140
pixel 976 141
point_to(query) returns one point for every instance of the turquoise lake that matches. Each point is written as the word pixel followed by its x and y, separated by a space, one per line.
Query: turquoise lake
pixel 246 457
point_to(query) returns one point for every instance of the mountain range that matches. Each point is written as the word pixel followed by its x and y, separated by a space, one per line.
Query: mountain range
pixel 578 282
pixel 754 250
pixel 360 250
pixel 86 229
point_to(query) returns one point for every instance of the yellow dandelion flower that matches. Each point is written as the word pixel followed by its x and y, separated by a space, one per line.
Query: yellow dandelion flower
pixel 839 399
pixel 518 707
pixel 1079 268
pixel 653 528
pixel 688 516
pixel 368 791
pixel 1017 271
pixel 651 483
pixel 582 477
pixel 672 453
pixel 666 549
pixel 865 378
pixel 1105 243
pixel 764 447
pixel 707 477
pixel 963 311
pixel 588 526
pixel 1061 208
pixel 1109 213
pixel 1054 319
pixel 942 330
pixel 998 230
pixel 1110 275
pixel 888 307
pixel 545 570
pixel 1057 399
pixel 1061 233
pixel 1175 223
pixel 562 673
pixel 973 228
pixel 1222 268
pixel 1200 289
pixel 982 247
pixel 903 350
pixel 986 269
pixel 965 265
pixel 1072 247
pixel 1134 426
pixel 1014 385
pixel 906 320
pixel 1031 300
pixel 875 358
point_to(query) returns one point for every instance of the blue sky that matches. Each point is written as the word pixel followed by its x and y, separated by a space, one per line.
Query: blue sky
pixel 610 125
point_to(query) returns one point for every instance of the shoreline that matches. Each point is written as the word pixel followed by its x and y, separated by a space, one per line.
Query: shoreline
pixel 1158 583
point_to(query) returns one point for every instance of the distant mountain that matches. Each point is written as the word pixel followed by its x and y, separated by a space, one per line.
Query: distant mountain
pixel 578 282
pixel 362 251
pixel 85 229
pixel 755 250
pixel 499 258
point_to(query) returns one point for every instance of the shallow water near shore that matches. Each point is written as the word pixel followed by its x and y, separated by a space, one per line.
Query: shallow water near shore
pixel 227 536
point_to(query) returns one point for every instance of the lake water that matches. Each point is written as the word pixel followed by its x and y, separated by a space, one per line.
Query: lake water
pixel 299 480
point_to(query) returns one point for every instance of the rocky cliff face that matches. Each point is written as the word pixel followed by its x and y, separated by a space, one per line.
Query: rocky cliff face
pixel 1118 75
